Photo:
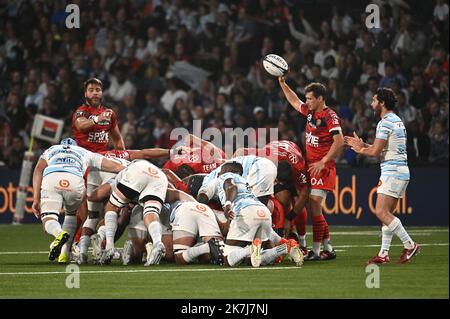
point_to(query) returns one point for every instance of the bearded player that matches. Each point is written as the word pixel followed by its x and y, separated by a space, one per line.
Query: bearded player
pixel 92 125
pixel 390 145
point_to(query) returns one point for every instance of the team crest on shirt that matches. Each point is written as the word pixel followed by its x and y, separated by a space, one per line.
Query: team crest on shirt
pixel 293 159
pixel 79 114
pixel 311 121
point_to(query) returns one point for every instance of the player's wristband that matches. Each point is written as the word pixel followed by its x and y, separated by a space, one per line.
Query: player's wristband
pixel 291 215
pixel 227 203
pixel 95 119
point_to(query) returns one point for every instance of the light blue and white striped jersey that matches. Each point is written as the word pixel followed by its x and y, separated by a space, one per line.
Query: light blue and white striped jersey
pixel 247 163
pixel 70 159
pixel 394 160
pixel 244 197
pixel 209 183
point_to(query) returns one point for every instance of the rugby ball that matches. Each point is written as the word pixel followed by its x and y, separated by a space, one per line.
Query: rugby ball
pixel 275 65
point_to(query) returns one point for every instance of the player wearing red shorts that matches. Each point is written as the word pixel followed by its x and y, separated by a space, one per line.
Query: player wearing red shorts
pixel 324 141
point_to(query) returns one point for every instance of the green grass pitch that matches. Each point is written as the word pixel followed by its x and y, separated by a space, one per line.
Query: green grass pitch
pixel 25 272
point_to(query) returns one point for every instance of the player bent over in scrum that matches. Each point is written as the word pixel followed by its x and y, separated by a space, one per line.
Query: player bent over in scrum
pixel 57 182
pixel 250 220
pixel 139 241
pixel 191 221
pixel 149 184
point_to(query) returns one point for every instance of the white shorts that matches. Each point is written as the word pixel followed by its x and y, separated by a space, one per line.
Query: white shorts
pixel 252 222
pixel 146 179
pixel 96 178
pixel 261 177
pixel 391 186
pixel 196 219
pixel 59 190
pixel 137 225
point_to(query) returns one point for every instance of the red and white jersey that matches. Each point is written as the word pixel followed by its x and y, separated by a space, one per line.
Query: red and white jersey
pixel 320 129
pixel 198 163
pixel 96 140
pixel 288 151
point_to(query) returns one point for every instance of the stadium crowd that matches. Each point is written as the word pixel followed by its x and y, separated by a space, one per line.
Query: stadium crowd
pixel 166 63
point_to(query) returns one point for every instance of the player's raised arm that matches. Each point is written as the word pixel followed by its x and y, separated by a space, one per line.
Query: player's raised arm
pixel 37 182
pixel 290 95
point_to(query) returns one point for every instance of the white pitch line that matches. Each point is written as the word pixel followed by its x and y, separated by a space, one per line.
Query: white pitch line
pixel 144 270
pixel 337 246
pixel 368 246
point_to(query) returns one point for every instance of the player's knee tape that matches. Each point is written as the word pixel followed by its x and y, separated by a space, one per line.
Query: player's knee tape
pixel 91 223
pixel 152 207
pixel 319 192
pixel 50 215
pixel 178 248
pixel 117 201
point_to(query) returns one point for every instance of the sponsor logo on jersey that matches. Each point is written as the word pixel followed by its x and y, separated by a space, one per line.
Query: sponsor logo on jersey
pixel 64 183
pixel 312 140
pixel 209 167
pixel 98 137
pixel 315 181
pixel 152 171
pixel 200 208
pixel 261 213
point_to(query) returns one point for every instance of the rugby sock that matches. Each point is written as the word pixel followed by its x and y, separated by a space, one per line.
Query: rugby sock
pixel 110 228
pixel 274 237
pixel 77 236
pixel 300 225
pixel 326 238
pixel 190 254
pixel 70 226
pixel 386 239
pixel 102 232
pixel 53 227
pixel 238 255
pixel 397 228
pixel 154 229
pixel 268 256
pixel 318 231
pixel 85 240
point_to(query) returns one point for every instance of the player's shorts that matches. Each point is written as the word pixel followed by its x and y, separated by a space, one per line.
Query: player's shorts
pixel 59 190
pixel 136 227
pixel 252 222
pixel 326 180
pixel 392 186
pixel 196 219
pixel 261 177
pixel 96 178
pixel 146 180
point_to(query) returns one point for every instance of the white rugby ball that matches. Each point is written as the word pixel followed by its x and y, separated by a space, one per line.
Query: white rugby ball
pixel 275 65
